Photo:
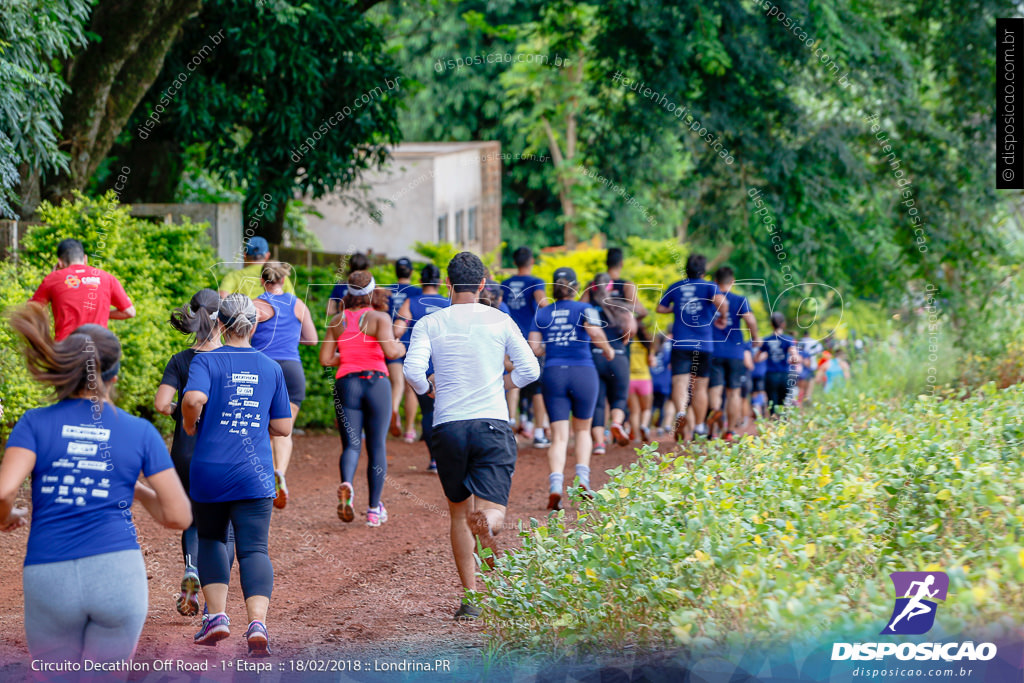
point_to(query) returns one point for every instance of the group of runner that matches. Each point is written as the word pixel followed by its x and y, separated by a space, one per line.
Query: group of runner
pixel 469 364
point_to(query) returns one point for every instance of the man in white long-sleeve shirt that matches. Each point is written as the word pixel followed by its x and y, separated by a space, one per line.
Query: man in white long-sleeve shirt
pixel 474 446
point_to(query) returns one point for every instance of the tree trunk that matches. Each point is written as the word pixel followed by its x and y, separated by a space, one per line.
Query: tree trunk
pixel 109 79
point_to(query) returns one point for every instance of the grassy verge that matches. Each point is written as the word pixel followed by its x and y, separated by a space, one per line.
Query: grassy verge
pixel 787 534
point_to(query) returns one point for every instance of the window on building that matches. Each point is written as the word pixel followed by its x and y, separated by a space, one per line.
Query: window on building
pixel 460 219
pixel 442 228
pixel 471 225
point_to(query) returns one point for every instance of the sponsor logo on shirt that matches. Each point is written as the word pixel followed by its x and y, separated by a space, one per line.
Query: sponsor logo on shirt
pixel 246 377
pixel 91 280
pixel 76 448
pixel 90 433
pixel 72 281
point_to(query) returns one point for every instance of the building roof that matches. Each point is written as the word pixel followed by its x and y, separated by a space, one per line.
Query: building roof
pixel 419 150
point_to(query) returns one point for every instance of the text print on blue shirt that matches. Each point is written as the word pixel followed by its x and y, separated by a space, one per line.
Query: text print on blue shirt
pixel 241 418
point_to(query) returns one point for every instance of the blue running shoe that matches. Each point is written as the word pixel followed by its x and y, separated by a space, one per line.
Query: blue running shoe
pixel 215 629
pixel 257 639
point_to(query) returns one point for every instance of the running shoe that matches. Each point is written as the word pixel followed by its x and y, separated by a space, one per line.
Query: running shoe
pixel 281 487
pixel 554 501
pixel 700 430
pixel 345 511
pixel 215 629
pixel 410 437
pixel 188 600
pixel 257 639
pixel 482 530
pixel 680 427
pixel 432 467
pixel 467 612
pixel 619 434
pixel 714 417
pixel 645 434
pixel 541 442
pixel 376 517
pixel 599 449
pixel 396 429
pixel 727 436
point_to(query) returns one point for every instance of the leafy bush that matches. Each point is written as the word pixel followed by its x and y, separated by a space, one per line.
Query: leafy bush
pixel 161 266
pixel 782 535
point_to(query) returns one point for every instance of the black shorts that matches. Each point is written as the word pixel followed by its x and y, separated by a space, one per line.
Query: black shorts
pixel 758 384
pixel 730 372
pixel 687 361
pixel 475 458
pixel 530 390
pixel 295 380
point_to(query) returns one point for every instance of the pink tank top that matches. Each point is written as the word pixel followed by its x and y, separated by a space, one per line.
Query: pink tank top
pixel 359 351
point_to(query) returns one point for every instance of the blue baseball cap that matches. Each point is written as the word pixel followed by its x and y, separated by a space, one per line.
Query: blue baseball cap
pixel 257 246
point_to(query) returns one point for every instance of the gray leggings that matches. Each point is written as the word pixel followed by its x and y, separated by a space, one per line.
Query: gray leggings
pixel 90 608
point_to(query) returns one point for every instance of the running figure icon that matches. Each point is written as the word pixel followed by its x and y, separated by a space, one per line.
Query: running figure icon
pixel 916 596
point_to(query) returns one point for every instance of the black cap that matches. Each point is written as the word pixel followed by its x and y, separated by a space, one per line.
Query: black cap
pixel 404 262
pixel 565 273
pixel 430 275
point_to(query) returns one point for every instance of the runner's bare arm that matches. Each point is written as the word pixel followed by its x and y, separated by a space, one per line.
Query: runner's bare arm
pixel 280 426
pixel 600 340
pixel 751 322
pixel 191 408
pixel 391 347
pixel 540 297
pixel 264 311
pixel 14 469
pixel 164 401
pixel 329 349
pixel 537 343
pixel 122 315
pixel 401 318
pixel 629 293
pixel 721 303
pixel 165 499
pixel 307 335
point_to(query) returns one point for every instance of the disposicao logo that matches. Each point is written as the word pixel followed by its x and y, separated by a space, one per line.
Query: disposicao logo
pixel 913 614
pixel 914 610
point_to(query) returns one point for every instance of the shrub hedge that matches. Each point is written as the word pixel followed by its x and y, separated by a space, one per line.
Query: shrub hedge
pixel 784 535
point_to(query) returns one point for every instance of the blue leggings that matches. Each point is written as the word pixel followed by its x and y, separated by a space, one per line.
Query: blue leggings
pixel 364 403
pixel 250 520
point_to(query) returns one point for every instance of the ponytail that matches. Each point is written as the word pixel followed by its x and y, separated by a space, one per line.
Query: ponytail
pixel 199 316
pixel 75 364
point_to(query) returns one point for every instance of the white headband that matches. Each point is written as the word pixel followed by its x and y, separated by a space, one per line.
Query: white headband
pixel 368 289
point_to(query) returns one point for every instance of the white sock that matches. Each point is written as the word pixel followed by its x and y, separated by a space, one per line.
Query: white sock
pixel 538 433
pixel 555 481
pixel 583 474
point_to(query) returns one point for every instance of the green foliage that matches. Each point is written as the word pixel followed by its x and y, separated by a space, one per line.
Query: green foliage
pixel 18 392
pixel 34 35
pixel 296 97
pixel 161 266
pixel 781 536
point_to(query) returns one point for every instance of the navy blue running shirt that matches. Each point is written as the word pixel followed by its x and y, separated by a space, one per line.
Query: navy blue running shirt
pixel 518 294
pixel 88 458
pixel 245 390
pixel 566 341
pixel 777 346
pixel 729 341
pixel 693 308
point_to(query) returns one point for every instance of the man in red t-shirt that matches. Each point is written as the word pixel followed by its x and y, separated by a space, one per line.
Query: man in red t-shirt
pixel 80 294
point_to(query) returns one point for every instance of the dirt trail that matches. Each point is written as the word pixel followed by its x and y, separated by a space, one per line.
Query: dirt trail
pixel 339 589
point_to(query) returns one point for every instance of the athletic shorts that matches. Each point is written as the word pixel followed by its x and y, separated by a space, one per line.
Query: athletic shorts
pixel 475 458
pixel 570 389
pixel 728 372
pixel 686 361
pixel 806 373
pixel 641 387
pixel 758 384
pixel 532 389
pixel 295 380
pixel 748 386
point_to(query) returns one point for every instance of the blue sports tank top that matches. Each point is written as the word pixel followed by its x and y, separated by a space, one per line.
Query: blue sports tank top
pixel 279 336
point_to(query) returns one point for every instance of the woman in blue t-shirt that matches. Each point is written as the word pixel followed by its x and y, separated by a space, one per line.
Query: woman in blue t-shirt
pixel 781 352
pixel 197 318
pixel 84 579
pixel 562 333
pixel 284 323
pixel 232 472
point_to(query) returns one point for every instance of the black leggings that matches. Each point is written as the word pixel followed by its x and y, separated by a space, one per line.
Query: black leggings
pixel 190 536
pixel 364 403
pixel 776 385
pixel 612 384
pixel 427 422
pixel 251 522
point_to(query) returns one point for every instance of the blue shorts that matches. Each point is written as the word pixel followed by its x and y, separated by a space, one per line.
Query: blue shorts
pixel 570 389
